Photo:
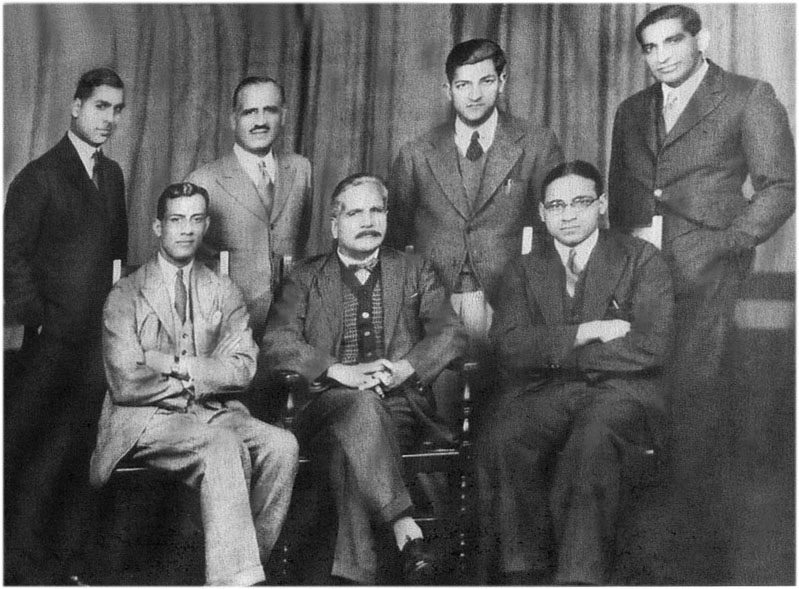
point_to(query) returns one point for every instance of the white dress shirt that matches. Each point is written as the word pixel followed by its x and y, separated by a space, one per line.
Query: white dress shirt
pixel 683 93
pixel 168 271
pixel 251 164
pixel 463 133
pixel 85 151
pixel 582 251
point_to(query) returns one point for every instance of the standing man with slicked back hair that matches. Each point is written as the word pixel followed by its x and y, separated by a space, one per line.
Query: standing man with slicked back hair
pixel 260 200
pixel 65 221
pixel 462 193
pixel 682 150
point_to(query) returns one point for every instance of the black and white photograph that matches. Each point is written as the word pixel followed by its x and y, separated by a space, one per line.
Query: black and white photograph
pixel 399 294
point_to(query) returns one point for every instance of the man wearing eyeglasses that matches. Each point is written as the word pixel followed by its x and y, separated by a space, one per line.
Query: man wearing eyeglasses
pixel 581 333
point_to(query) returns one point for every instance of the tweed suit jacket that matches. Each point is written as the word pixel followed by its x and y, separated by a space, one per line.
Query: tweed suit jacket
pixel 428 206
pixel 732 127
pixel 625 278
pixel 305 325
pixel 138 318
pixel 239 223
pixel 60 242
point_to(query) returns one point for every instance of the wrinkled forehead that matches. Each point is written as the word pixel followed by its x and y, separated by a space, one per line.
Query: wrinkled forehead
pixel 362 196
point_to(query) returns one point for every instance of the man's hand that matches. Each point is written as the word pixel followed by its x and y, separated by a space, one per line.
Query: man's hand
pixel 604 331
pixel 359 376
pixel 398 372
pixel 227 345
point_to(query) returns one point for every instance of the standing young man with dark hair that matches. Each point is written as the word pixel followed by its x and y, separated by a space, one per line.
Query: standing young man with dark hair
pixel 261 199
pixel 65 221
pixel 462 193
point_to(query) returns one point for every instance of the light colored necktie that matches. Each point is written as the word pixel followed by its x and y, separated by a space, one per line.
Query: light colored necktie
pixel 266 189
pixel 572 272
pixel 181 296
pixel 670 110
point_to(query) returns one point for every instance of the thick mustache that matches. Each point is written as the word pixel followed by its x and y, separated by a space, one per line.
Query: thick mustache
pixel 369 233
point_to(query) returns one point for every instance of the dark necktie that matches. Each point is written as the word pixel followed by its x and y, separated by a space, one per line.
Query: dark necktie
pixel 181 296
pixel 266 189
pixel 96 156
pixel 572 272
pixel 475 150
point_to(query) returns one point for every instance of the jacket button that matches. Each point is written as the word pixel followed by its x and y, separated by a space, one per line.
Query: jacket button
pixel 658 193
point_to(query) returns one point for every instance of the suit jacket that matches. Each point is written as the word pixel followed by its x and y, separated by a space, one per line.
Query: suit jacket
pixel 60 241
pixel 138 318
pixel 429 207
pixel 625 278
pixel 732 127
pixel 239 223
pixel 305 325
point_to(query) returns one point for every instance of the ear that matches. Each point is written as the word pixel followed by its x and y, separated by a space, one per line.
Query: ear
pixel 447 88
pixel 503 77
pixel 703 40
pixel 207 224
pixel 157 228
pixel 76 104
pixel 603 203
pixel 541 212
pixel 334 228
pixel 233 121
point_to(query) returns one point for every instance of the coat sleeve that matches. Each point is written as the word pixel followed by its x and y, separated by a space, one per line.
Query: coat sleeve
pixel 649 340
pixel 284 346
pixel 444 338
pixel 524 343
pixel 769 149
pixel 26 203
pixel 402 199
pixel 236 368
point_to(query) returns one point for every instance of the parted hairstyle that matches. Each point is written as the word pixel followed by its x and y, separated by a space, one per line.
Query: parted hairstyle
pixel 356 180
pixel 179 190
pixel 254 81
pixel 691 21
pixel 573 168
pixel 95 78
pixel 474 51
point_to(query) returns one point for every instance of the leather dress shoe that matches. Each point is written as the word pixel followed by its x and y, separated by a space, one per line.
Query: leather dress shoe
pixel 418 563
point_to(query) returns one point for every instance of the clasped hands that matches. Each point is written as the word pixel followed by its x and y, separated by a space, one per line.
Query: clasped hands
pixel 379 375
pixel 165 363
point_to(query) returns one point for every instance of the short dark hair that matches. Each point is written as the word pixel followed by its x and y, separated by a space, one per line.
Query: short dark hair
pixel 474 51
pixel 254 81
pixel 573 168
pixel 95 78
pixel 356 180
pixel 691 21
pixel 179 190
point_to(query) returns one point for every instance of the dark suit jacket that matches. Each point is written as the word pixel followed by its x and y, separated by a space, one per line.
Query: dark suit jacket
pixel 625 278
pixel 732 127
pixel 59 243
pixel 428 206
pixel 305 325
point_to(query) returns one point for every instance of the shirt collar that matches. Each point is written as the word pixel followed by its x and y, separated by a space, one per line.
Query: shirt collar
pixel 251 163
pixel 463 133
pixel 85 151
pixel 348 261
pixel 685 90
pixel 582 250
pixel 169 270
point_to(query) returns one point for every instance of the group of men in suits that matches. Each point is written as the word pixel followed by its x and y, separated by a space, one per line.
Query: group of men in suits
pixel 581 327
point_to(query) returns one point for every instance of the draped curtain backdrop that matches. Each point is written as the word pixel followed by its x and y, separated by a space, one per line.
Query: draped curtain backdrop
pixel 360 80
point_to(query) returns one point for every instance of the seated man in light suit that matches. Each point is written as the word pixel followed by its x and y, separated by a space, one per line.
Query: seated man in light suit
pixel 175 337
pixel 581 332
pixel 376 326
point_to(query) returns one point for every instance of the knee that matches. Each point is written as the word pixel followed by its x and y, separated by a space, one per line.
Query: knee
pixel 219 447
pixel 365 409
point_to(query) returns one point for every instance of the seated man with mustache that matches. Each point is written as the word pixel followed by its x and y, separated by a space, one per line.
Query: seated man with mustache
pixel 375 326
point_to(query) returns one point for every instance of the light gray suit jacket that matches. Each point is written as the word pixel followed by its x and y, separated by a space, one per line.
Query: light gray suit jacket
pixel 239 223
pixel 428 206
pixel 138 318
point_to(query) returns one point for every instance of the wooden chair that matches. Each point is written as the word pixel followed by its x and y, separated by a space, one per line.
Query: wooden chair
pixel 455 462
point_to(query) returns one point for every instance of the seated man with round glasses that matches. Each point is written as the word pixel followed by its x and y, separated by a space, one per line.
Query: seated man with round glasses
pixel 581 331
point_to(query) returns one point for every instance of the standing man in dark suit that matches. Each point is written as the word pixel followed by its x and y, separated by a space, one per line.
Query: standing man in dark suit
pixel 582 330
pixel 682 150
pixel 462 193
pixel 375 327
pixel 65 221
pixel 260 199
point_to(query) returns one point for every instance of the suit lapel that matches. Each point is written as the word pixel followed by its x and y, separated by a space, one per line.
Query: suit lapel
pixel 392 277
pixel 707 97
pixel 235 181
pixel 650 120
pixel 75 173
pixel 542 285
pixel 329 286
pixel 501 157
pixel 605 266
pixel 443 160
pixel 284 184
pixel 154 290
pixel 201 286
